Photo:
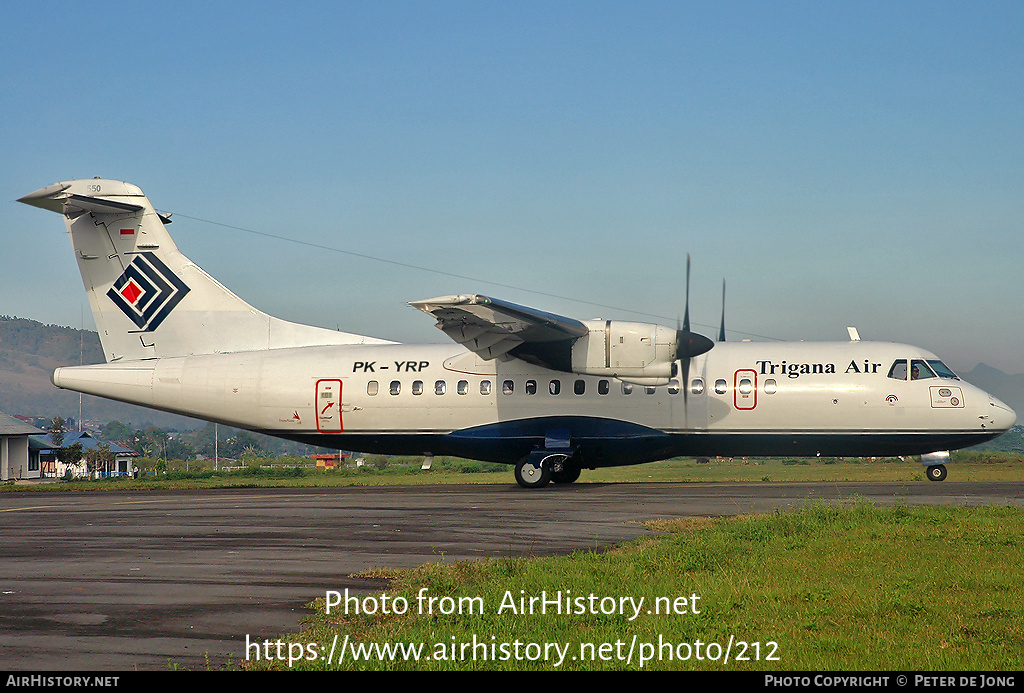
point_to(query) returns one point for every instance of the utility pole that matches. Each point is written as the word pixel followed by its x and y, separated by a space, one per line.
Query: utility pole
pixel 81 356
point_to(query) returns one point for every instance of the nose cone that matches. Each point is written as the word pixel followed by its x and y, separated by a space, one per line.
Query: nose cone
pixel 1001 416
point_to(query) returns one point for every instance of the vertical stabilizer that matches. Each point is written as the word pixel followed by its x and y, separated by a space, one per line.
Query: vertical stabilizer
pixel 149 300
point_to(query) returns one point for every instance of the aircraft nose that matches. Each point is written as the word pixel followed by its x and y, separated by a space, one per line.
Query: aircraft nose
pixel 1001 416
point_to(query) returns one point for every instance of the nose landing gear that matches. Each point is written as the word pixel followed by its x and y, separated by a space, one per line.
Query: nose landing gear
pixel 935 465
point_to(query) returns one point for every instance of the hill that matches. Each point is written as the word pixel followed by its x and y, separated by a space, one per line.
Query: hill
pixel 30 350
pixel 1009 388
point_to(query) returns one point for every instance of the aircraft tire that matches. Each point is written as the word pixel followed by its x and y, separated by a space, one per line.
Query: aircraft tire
pixel 532 473
pixel 936 472
pixel 568 475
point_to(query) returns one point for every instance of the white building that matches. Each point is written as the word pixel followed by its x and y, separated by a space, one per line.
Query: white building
pixel 17 460
pixel 121 466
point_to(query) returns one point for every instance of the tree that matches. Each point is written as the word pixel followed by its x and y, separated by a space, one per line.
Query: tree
pixel 56 430
pixel 153 441
pixel 242 441
pixel 179 450
pixel 70 455
pixel 203 439
pixel 99 457
pixel 115 430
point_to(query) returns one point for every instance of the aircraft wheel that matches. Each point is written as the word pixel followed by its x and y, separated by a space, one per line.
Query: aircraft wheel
pixel 936 472
pixel 568 475
pixel 531 473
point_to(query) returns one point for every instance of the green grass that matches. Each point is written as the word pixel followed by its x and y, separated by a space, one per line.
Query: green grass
pixel 823 588
pixel 295 472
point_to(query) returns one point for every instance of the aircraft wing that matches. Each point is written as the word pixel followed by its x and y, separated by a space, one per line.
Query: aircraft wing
pixel 491 327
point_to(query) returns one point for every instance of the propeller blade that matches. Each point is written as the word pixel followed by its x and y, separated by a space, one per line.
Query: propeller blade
pixel 690 344
pixel 686 315
pixel 721 331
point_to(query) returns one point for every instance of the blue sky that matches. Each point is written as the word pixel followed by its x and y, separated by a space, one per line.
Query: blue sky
pixel 837 163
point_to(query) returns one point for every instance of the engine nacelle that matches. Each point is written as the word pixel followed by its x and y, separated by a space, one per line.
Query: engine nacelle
pixel 637 352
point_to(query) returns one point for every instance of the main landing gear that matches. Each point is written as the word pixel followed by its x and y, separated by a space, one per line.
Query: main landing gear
pixel 935 464
pixel 540 467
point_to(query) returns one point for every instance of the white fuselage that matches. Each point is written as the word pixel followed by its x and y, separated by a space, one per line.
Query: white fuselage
pixel 743 398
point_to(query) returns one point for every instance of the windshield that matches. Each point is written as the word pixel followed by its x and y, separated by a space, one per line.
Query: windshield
pixel 919 370
pixel 941 370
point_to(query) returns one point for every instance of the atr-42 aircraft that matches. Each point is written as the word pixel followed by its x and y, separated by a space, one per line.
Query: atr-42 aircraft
pixel 549 394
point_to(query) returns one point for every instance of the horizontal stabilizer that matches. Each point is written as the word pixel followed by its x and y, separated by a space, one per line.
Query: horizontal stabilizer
pixel 58 198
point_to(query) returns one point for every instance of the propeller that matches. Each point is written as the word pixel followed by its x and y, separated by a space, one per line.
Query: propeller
pixel 688 343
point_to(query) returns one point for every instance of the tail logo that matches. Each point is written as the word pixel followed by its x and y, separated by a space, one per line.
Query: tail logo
pixel 147 291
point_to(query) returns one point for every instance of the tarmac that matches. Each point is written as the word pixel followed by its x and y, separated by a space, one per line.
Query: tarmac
pixel 157 580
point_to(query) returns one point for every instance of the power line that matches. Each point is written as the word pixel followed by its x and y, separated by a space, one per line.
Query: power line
pixel 454 275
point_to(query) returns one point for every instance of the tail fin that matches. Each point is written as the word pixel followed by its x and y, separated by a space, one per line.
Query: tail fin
pixel 148 299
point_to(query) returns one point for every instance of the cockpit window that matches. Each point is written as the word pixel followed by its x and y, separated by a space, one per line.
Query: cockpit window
pixel 919 370
pixel 942 370
pixel 899 370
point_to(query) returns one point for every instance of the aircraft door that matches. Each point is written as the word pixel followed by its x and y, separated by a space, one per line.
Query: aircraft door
pixel 328 406
pixel 745 389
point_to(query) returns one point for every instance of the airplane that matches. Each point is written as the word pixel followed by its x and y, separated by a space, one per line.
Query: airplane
pixel 548 394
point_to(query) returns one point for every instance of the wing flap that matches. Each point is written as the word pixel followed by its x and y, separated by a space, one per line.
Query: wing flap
pixel 491 327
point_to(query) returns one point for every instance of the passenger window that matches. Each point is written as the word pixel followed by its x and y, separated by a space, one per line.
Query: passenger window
pixel 770 386
pixel 372 387
pixel 507 387
pixel 396 387
pixel 697 386
pixel 746 387
pixel 603 387
pixel 417 387
pixel 673 387
pixel 554 387
pixel 485 387
pixel 650 389
pixel 898 370
pixel 531 387
pixel 721 387
pixel 579 387
pixel 627 388
pixel 439 387
pixel 463 387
